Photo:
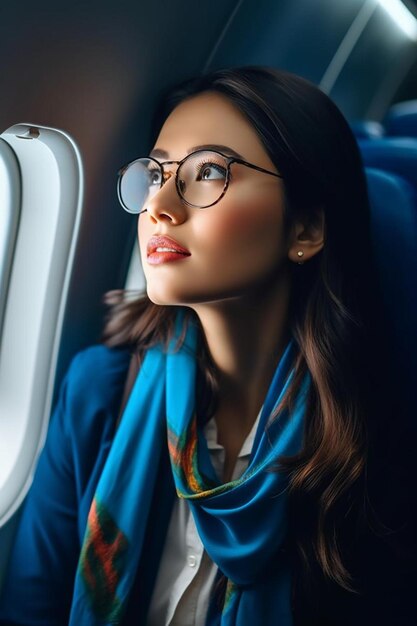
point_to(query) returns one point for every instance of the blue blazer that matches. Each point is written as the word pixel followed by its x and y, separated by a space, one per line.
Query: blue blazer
pixel 39 582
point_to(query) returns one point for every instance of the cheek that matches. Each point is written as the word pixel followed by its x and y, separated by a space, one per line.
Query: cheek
pixel 246 228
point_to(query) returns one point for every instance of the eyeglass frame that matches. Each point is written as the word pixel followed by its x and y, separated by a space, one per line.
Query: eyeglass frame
pixel 229 160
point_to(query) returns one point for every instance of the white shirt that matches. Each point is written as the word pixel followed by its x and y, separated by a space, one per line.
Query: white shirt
pixel 186 572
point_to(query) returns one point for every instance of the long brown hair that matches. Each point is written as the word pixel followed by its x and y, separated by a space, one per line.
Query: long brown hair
pixel 335 315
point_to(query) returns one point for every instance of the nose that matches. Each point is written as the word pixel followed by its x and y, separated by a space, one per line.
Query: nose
pixel 166 205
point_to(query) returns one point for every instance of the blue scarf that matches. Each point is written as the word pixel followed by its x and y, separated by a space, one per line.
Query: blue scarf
pixel 242 524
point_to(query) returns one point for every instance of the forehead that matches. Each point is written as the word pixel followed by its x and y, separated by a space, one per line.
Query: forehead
pixel 210 118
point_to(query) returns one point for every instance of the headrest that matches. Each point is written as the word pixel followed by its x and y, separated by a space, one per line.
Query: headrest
pixel 393 154
pixel 367 129
pixel 401 120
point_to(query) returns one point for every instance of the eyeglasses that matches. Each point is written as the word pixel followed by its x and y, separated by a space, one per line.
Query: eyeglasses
pixel 201 179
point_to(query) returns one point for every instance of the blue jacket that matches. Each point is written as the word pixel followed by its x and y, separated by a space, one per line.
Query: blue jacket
pixel 39 583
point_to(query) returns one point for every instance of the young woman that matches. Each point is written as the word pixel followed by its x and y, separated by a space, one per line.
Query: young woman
pixel 239 485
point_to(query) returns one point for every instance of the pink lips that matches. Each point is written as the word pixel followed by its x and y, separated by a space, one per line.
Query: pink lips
pixel 162 249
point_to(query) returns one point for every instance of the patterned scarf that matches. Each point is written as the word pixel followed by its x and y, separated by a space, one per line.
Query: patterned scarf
pixel 242 524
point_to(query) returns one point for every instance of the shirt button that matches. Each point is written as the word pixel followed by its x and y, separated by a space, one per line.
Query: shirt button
pixel 192 560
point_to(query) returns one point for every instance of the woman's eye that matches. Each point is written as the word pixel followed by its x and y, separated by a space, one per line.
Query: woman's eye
pixel 211 171
pixel 155 177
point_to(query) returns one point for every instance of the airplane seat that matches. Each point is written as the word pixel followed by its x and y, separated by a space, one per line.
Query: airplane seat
pixel 367 129
pixel 394 237
pixel 397 155
pixel 401 120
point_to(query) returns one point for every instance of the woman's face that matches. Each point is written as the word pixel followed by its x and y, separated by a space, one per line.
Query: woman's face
pixel 236 245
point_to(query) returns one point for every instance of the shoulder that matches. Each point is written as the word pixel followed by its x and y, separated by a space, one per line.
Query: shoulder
pixel 92 389
pixel 97 369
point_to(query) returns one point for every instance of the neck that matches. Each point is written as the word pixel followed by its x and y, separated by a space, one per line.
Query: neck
pixel 246 337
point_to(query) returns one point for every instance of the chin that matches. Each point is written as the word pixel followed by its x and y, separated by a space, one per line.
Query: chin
pixel 162 297
pixel 156 300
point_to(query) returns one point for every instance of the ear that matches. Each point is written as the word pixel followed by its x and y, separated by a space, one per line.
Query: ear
pixel 307 236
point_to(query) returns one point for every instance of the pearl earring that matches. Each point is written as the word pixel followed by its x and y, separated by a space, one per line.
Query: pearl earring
pixel 300 253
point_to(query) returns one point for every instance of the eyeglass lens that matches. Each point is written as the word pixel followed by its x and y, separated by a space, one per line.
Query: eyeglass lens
pixel 201 180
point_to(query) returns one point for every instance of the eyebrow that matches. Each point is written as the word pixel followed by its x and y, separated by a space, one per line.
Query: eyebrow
pixel 209 146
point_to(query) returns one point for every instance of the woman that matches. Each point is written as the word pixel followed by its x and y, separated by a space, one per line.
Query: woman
pixel 251 392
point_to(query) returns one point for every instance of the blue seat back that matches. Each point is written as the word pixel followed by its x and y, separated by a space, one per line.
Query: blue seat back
pixel 397 155
pixel 401 120
pixel 394 237
pixel 367 129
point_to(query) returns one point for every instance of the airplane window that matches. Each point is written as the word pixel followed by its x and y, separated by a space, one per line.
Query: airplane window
pixel 9 217
pixel 48 164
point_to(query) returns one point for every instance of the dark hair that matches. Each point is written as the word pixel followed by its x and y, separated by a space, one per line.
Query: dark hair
pixel 334 311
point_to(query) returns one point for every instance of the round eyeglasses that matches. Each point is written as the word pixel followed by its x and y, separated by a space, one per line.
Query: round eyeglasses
pixel 201 179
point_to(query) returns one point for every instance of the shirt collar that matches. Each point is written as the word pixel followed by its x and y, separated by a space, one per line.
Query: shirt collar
pixel 210 432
